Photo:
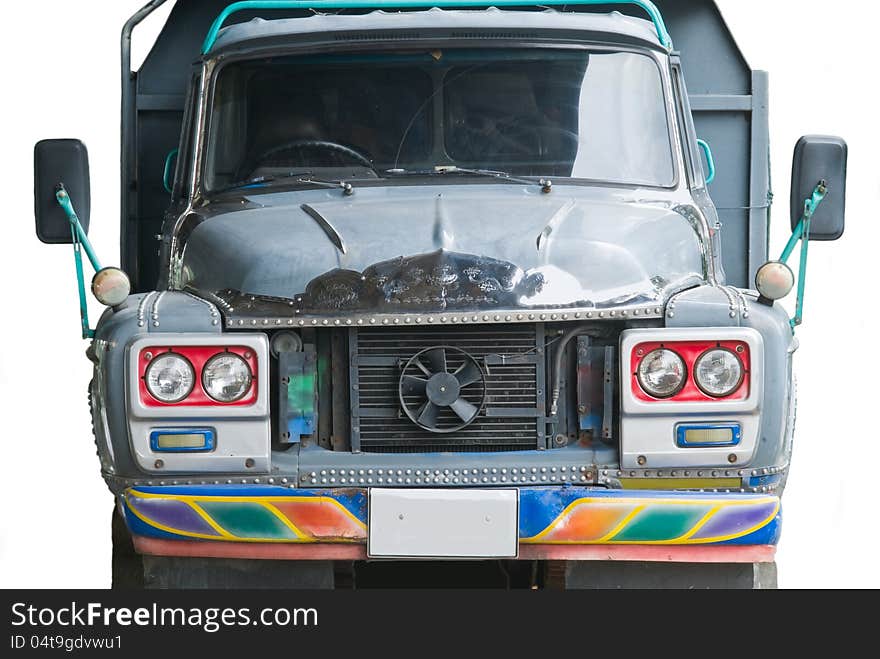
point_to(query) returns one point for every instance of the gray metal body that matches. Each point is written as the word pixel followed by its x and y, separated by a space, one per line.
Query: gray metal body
pixel 728 100
pixel 678 273
pixel 601 250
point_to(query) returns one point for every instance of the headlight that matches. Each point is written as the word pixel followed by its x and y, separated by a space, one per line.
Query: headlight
pixel 662 374
pixel 170 378
pixel 719 373
pixel 227 378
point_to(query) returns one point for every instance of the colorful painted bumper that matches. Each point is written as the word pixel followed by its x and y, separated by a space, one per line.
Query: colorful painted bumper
pixel 270 522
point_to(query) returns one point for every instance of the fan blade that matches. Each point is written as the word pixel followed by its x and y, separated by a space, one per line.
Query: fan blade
pixel 436 360
pixel 428 415
pixel 464 410
pixel 469 373
pixel 424 369
pixel 413 386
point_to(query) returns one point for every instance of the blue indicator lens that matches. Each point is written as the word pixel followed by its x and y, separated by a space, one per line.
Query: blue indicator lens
pixel 708 435
pixel 183 440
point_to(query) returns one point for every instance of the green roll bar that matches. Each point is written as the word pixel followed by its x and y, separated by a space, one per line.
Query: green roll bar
pixel 317 5
pixel 710 160
pixel 168 173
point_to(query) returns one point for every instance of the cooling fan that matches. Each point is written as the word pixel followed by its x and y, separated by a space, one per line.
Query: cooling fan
pixel 442 389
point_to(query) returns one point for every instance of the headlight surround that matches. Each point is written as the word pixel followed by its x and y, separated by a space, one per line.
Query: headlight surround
pixel 719 373
pixel 662 374
pixel 170 378
pixel 227 378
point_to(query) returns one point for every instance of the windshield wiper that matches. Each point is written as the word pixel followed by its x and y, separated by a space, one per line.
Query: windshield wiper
pixel 445 170
pixel 305 178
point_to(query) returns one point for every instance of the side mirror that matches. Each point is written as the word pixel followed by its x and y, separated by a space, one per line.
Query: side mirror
pixel 56 162
pixel 820 158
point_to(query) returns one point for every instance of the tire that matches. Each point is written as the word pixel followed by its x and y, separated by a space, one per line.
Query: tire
pixel 670 576
pixel 172 573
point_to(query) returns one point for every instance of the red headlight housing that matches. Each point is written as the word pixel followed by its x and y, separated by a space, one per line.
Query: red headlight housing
pixel 197 356
pixel 690 352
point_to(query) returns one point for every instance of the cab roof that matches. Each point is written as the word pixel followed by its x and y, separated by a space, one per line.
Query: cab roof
pixel 489 23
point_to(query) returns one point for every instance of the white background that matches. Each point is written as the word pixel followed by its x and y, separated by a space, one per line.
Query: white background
pixel 59 76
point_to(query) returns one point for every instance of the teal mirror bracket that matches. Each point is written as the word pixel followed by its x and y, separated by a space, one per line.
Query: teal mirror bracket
pixel 168 174
pixel 802 235
pixel 318 5
pixel 710 160
pixel 81 244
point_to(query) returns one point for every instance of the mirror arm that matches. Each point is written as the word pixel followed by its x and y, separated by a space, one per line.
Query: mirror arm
pixel 80 243
pixel 87 332
pixel 802 234
pixel 78 232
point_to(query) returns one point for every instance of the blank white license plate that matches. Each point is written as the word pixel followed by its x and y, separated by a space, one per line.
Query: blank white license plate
pixel 454 524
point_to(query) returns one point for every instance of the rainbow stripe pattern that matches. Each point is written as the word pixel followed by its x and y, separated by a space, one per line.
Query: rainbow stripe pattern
pixel 659 519
pixel 548 516
pixel 252 514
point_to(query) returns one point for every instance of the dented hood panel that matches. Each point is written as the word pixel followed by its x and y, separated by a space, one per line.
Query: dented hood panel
pixel 465 248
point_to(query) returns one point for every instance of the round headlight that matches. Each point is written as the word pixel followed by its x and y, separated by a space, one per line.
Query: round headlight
pixel 774 280
pixel 662 374
pixel 227 378
pixel 170 378
pixel 719 373
pixel 111 287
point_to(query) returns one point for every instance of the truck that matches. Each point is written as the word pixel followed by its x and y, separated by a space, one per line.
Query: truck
pixel 450 283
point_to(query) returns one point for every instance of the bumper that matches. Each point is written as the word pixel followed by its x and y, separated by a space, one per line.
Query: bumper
pixel 564 523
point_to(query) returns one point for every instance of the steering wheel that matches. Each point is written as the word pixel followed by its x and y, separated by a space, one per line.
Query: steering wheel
pixel 522 136
pixel 325 145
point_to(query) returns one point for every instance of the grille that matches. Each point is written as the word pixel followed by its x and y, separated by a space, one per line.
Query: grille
pixel 512 418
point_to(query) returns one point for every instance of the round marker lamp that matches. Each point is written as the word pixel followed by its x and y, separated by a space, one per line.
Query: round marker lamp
pixel 286 342
pixel 774 281
pixel 111 287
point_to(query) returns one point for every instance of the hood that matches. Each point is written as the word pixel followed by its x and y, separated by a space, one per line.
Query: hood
pixel 467 248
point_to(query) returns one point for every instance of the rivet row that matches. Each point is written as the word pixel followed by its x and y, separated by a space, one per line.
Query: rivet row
pixel 448 320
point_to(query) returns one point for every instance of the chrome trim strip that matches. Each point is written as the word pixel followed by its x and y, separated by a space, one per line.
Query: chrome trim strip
pixel 495 317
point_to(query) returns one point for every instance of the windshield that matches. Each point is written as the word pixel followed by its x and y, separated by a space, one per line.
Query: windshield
pixel 562 113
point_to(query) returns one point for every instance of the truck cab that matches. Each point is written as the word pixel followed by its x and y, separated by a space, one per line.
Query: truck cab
pixel 443 282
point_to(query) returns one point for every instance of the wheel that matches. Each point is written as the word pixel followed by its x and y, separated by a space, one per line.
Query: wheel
pixel 670 576
pixel 172 573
